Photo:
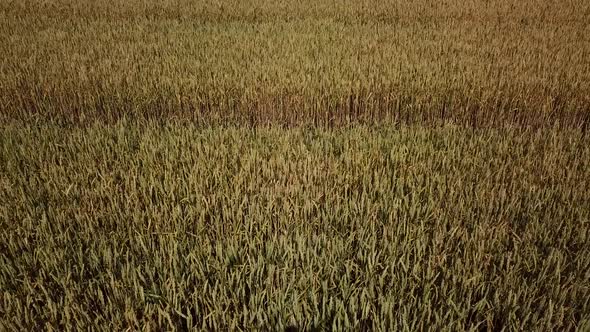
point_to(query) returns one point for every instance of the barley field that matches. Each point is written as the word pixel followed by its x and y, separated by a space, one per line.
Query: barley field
pixel 294 165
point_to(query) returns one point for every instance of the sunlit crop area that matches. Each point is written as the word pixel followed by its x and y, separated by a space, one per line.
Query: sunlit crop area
pixel 294 165
pixel 476 62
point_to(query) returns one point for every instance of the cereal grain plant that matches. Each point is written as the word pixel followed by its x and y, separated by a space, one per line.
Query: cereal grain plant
pixel 294 165
pixel 327 63
pixel 160 227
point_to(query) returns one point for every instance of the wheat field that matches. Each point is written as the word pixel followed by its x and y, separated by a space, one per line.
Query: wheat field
pixel 294 165
pixel 476 62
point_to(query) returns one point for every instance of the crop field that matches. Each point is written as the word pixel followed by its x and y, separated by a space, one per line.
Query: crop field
pixel 294 165
pixel 323 62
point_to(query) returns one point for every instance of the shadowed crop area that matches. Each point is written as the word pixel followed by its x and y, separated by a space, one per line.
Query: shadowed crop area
pixel 294 165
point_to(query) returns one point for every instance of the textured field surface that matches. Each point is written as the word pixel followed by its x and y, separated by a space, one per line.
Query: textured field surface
pixel 476 62
pixel 258 164
pixel 170 226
